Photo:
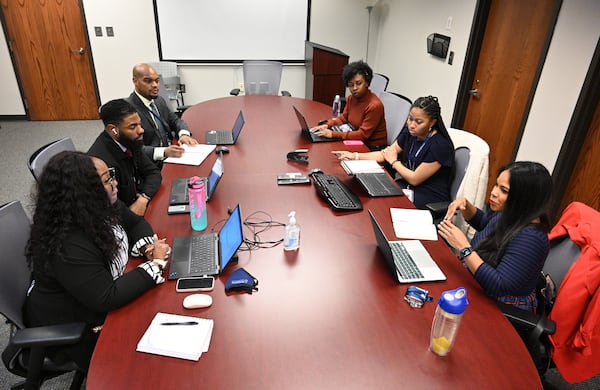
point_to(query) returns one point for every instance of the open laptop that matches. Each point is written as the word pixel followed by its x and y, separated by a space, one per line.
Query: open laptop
pixel 226 137
pixel 179 187
pixel 408 260
pixel 207 254
pixel 378 184
pixel 309 135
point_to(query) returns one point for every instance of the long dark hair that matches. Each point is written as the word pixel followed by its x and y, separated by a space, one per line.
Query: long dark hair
pixel 528 198
pixel 70 197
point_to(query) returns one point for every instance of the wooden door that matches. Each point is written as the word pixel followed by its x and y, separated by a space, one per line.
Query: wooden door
pixel 512 45
pixel 50 51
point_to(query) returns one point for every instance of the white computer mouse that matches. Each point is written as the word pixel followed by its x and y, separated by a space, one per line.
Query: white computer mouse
pixel 197 301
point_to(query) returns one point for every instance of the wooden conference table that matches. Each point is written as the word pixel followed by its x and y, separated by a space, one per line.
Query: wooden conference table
pixel 327 316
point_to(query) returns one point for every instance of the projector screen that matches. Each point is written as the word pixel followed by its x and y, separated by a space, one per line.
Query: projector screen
pixel 232 30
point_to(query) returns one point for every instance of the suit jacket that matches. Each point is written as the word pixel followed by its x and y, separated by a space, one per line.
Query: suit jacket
pixel 153 136
pixel 136 175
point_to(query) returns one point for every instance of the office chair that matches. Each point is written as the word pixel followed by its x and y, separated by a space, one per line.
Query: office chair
pixel 170 87
pixel 261 78
pixel 38 160
pixel 379 83
pixel 396 109
pixel 25 353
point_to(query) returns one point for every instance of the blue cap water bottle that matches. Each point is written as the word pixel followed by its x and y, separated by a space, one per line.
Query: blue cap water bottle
pixel 449 312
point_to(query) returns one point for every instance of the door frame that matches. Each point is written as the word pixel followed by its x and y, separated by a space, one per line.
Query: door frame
pixel 18 73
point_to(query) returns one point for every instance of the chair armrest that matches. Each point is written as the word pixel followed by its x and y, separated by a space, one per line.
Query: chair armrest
pixel 285 93
pixel 234 92
pixel 438 209
pixel 52 335
pixel 527 319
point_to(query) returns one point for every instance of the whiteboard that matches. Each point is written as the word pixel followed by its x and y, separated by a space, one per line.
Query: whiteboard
pixel 232 30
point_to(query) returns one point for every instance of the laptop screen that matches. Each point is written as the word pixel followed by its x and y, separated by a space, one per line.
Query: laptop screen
pixel 301 119
pixel 231 237
pixel 237 126
pixel 215 175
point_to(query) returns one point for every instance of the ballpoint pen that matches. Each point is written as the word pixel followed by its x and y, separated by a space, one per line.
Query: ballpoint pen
pixel 180 323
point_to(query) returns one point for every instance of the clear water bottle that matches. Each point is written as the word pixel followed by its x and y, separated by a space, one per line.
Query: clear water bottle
pixel 335 108
pixel 197 195
pixel 291 242
pixel 449 312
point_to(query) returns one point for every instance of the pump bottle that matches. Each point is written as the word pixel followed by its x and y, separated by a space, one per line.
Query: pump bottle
pixel 335 108
pixel 291 242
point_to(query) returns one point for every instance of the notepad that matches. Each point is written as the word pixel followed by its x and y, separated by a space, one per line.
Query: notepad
pixel 413 224
pixel 193 154
pixel 352 167
pixel 181 341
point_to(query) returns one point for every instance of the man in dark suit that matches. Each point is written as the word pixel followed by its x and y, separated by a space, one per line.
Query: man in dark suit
pixel 120 146
pixel 161 125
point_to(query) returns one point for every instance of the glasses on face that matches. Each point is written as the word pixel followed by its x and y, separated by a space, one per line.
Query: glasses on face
pixel 111 177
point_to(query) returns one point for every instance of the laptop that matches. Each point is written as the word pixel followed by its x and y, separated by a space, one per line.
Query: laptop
pixel 207 254
pixel 408 260
pixel 179 187
pixel 378 184
pixel 226 137
pixel 309 135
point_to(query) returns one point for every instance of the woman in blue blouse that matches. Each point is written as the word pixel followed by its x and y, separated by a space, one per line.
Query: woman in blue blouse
pixel 510 247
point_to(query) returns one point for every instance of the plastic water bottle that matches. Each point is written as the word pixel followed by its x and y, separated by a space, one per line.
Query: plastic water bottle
pixel 335 110
pixel 449 312
pixel 291 242
pixel 197 195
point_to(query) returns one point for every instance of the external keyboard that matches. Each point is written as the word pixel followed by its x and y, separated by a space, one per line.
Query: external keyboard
pixel 332 190
pixel 404 263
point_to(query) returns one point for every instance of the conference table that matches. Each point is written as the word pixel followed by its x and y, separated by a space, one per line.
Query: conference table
pixel 329 315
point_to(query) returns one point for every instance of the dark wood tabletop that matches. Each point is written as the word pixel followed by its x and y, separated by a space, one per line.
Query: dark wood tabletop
pixel 327 316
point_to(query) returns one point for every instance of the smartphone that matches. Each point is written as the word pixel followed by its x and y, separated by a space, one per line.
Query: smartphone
pixel 181 209
pixel 202 283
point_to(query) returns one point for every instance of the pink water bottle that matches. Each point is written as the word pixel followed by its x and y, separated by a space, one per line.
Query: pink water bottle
pixel 197 195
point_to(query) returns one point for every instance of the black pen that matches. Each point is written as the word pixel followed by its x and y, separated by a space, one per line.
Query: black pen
pixel 180 323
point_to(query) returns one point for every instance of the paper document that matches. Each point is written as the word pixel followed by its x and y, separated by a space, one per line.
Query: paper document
pixel 414 224
pixel 193 154
pixel 178 336
pixel 352 167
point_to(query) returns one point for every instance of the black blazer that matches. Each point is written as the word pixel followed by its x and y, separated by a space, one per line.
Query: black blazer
pixel 154 137
pixel 135 175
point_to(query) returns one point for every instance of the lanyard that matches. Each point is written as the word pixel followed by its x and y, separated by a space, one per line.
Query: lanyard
pixel 412 162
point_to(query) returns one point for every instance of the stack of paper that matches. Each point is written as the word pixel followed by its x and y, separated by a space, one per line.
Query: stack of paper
pixel 177 336
pixel 352 167
pixel 413 224
pixel 193 154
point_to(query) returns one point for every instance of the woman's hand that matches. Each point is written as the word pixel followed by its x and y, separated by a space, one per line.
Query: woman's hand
pixel 159 250
pixel 344 155
pixel 452 234
pixel 389 154
pixel 458 204
pixel 322 130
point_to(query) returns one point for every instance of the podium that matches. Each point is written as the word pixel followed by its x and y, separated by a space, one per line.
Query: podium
pixel 324 66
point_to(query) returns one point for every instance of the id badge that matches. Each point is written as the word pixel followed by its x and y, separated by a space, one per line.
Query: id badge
pixel 410 194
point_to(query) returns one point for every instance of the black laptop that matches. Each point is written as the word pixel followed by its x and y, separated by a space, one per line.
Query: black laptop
pixel 226 137
pixel 378 184
pixel 312 137
pixel 179 187
pixel 207 254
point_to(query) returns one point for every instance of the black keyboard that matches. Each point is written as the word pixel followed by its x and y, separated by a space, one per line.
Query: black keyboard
pixel 332 190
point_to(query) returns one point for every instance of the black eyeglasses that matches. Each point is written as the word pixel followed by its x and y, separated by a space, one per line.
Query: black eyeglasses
pixel 111 176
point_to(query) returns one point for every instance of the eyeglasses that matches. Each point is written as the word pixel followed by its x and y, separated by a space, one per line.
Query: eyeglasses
pixel 111 177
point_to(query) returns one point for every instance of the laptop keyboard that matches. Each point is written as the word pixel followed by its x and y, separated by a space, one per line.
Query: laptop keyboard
pixel 332 190
pixel 378 184
pixel 404 263
pixel 202 253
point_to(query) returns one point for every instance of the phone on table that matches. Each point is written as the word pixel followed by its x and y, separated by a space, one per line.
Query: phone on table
pixel 201 283
pixel 180 209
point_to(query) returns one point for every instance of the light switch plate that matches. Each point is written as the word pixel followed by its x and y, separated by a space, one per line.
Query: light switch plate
pixel 98 31
pixel 109 31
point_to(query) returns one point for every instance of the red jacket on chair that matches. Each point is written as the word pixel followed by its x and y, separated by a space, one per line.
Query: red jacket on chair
pixel 576 310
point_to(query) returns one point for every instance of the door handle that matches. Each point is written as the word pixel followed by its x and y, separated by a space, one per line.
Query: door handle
pixel 80 51
pixel 474 92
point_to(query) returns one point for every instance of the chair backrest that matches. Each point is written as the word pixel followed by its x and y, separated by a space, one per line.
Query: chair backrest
pixel 168 89
pixel 379 83
pixel 39 159
pixel 462 155
pixel 262 77
pixel 15 276
pixel 563 253
pixel 396 109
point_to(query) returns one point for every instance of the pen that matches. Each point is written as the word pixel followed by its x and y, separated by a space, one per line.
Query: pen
pixel 180 323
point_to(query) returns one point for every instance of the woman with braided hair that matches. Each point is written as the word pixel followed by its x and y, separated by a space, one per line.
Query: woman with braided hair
pixel 422 157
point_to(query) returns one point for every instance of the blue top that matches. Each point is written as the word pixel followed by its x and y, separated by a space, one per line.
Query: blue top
pixel 414 152
pixel 515 278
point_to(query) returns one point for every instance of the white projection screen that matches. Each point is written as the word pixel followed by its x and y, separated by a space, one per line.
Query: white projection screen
pixel 232 30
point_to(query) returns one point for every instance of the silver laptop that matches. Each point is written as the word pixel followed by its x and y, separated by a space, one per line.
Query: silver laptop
pixel 207 254
pixel 179 186
pixel 226 137
pixel 408 260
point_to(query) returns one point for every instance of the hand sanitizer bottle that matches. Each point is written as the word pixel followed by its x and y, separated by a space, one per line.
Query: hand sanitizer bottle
pixel 335 110
pixel 291 242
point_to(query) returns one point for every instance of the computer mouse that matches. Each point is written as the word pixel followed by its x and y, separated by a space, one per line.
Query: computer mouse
pixel 197 301
pixel 315 170
pixel 221 149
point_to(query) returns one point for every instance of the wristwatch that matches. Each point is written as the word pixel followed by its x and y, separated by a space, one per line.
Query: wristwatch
pixel 464 252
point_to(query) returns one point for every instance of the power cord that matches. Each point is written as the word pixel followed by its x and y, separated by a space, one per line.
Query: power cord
pixel 258 223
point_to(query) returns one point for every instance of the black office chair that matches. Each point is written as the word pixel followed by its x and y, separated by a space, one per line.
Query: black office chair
pixel 38 160
pixel 25 353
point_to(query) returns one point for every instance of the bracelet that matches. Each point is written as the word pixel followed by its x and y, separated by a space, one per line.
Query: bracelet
pixel 356 155
pixel 394 162
pixel 145 196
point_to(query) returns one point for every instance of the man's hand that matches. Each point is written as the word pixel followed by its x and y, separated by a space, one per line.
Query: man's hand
pixel 186 139
pixel 139 206
pixel 174 151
